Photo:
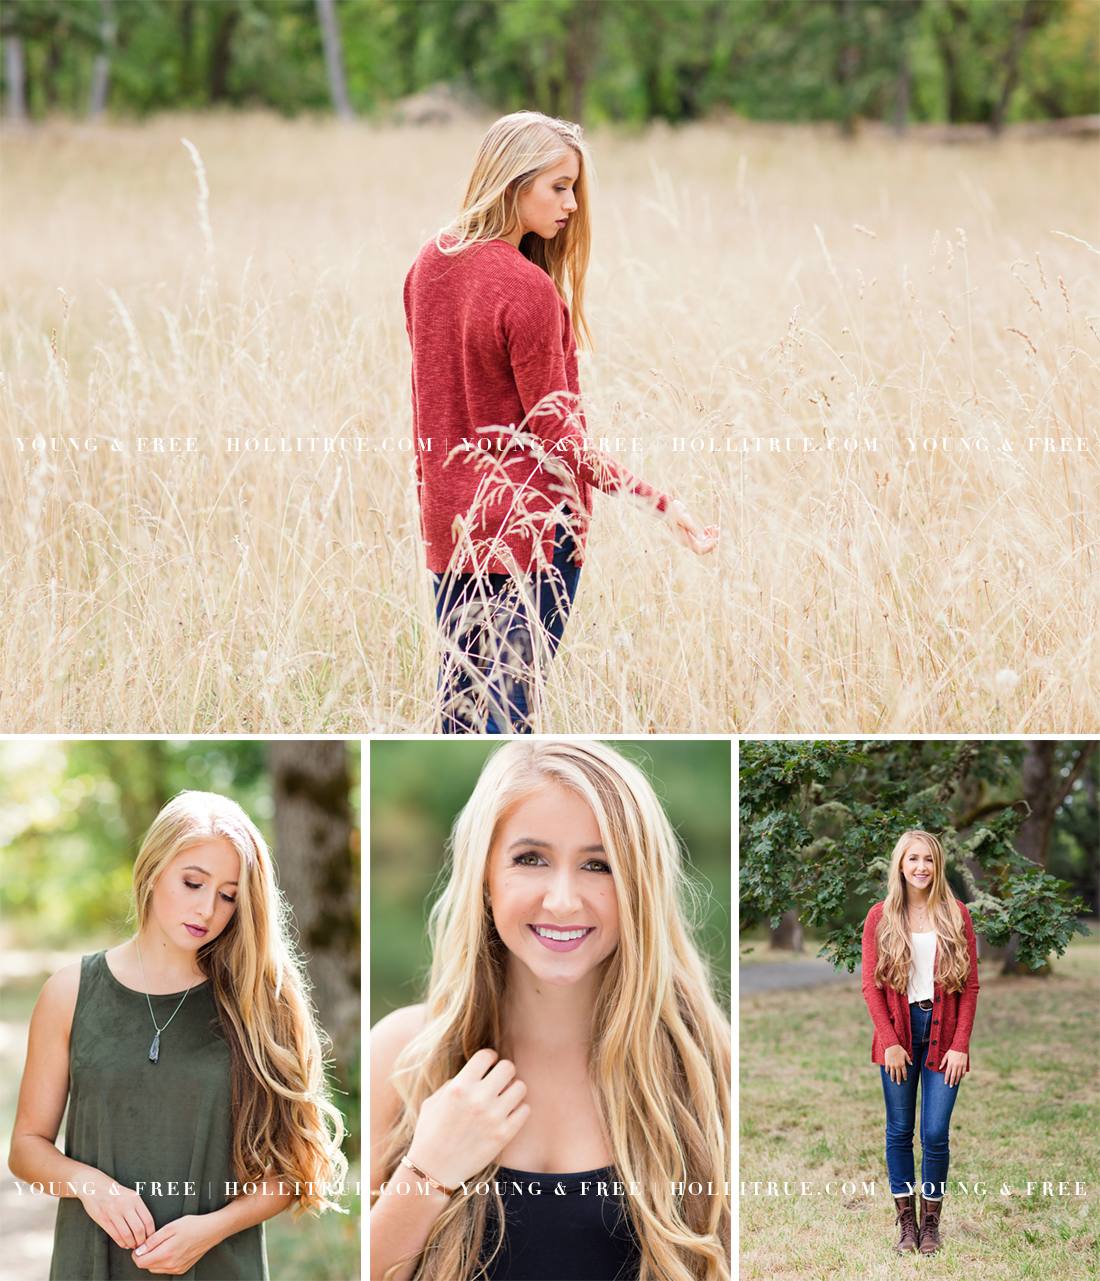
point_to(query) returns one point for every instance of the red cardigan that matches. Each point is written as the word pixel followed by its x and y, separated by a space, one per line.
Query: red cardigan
pixel 491 340
pixel 953 1017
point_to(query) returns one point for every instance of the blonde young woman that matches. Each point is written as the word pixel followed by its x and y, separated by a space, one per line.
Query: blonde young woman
pixel 190 1061
pixel 559 1106
pixel 920 981
pixel 504 469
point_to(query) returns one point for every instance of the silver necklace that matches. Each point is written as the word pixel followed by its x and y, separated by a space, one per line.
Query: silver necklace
pixel 154 1049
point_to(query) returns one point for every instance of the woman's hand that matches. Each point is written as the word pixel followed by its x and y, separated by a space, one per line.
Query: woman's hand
pixel 688 532
pixel 896 1058
pixel 121 1213
pixel 178 1245
pixel 469 1120
pixel 954 1066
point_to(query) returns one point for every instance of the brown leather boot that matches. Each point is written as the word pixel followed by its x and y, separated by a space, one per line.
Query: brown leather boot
pixel 930 1226
pixel 908 1220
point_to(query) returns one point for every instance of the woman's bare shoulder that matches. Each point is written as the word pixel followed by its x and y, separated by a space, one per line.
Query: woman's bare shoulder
pixel 388 1038
pixel 391 1034
pixel 57 1000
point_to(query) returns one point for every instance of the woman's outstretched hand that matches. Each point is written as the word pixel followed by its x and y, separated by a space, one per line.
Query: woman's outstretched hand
pixel 469 1120
pixel 688 532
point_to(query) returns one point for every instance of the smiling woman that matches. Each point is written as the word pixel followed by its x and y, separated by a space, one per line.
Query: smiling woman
pixel 191 1065
pixel 920 982
pixel 569 1044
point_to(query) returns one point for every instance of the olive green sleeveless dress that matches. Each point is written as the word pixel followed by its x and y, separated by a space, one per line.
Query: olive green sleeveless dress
pixel 165 1125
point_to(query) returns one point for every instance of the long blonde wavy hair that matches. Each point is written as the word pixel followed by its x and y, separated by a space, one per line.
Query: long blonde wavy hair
pixel 660 1055
pixel 895 952
pixel 512 154
pixel 282 1115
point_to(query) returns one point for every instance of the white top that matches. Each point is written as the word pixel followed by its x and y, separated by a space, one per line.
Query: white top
pixel 921 985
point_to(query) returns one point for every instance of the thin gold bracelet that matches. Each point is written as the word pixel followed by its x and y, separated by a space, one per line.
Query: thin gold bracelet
pixel 426 1177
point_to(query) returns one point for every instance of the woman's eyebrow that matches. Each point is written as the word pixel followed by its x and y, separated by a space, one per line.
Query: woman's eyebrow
pixel 548 845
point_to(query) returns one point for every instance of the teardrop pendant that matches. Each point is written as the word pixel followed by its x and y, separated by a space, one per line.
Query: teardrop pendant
pixel 154 1049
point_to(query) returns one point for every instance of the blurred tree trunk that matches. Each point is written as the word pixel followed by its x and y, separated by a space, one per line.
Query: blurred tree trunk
pixel 101 69
pixel 228 15
pixel 1030 17
pixel 1043 791
pixel 849 65
pixel 906 12
pixel 956 19
pixel 313 849
pixel 334 58
pixel 788 937
pixel 186 10
pixel 13 68
pixel 580 49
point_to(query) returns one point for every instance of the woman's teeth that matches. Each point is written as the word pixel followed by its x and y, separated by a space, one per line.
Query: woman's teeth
pixel 560 936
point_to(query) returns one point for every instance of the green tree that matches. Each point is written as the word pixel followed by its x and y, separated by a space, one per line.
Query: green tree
pixel 631 60
pixel 981 44
pixel 819 819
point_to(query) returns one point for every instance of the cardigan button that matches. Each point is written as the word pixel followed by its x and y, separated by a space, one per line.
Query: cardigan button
pixel 937 998
pixel 936 1021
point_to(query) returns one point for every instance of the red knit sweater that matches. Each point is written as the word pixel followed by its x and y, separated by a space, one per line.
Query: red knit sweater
pixel 953 1017
pixel 493 346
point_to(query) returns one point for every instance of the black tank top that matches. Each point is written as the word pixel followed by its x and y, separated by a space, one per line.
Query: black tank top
pixel 563 1227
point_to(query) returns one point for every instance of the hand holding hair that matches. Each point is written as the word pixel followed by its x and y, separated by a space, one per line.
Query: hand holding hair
pixel 469 1120
pixel 896 1058
pixel 688 532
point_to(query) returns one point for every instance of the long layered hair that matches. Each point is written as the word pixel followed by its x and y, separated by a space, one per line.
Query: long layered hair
pixel 660 1054
pixel 283 1119
pixel 512 154
pixel 895 952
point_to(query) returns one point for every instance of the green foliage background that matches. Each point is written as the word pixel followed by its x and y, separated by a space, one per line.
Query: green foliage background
pixel 633 60
pixel 74 813
pixel 819 819
pixel 416 791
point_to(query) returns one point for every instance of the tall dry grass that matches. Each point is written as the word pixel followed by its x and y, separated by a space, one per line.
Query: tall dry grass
pixel 748 284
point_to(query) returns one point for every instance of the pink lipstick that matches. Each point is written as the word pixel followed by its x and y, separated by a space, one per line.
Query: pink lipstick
pixel 196 931
pixel 574 936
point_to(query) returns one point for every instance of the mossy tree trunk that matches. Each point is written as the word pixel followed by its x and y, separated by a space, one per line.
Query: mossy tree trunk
pixel 318 873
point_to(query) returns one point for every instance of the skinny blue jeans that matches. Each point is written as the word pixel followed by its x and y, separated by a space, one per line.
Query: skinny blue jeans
pixel 937 1100
pixel 495 631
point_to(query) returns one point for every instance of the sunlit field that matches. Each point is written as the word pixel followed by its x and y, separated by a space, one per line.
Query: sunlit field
pixel 874 364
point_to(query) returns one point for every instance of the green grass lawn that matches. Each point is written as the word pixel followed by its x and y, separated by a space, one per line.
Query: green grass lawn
pixel 811 1109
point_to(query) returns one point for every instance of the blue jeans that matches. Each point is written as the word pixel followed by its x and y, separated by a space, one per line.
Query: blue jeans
pixel 492 650
pixel 937 1100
